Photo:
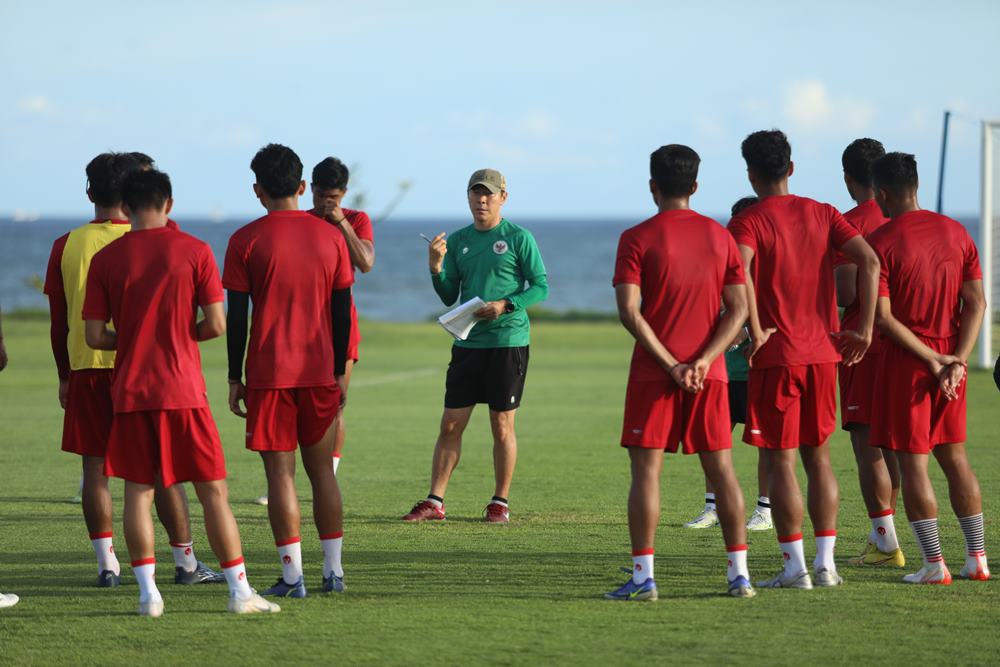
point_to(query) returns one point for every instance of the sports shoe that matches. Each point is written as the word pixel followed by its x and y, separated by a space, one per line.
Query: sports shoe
pixel 931 573
pixel 975 568
pixel 254 604
pixel 760 520
pixel 781 580
pixel 707 519
pixel 828 578
pixel 108 579
pixel 740 588
pixel 869 547
pixel 261 500
pixel 633 592
pixel 76 500
pixel 333 584
pixel 8 600
pixel 153 608
pixel 425 510
pixel 872 557
pixel 496 513
pixel 283 590
pixel 202 574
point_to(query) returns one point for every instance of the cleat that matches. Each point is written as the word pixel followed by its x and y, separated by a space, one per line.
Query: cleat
pixel 975 569
pixel 153 608
pixel 261 500
pixel 108 579
pixel 254 604
pixel 76 500
pixel 283 590
pixel 760 521
pixel 782 580
pixel 931 573
pixel 496 513
pixel 425 510
pixel 869 547
pixel 202 574
pixel 828 578
pixel 633 592
pixel 874 558
pixel 8 600
pixel 709 518
pixel 333 584
pixel 740 588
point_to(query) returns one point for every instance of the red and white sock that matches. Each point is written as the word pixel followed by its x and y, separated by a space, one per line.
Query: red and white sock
pixel 791 551
pixel 236 578
pixel 336 463
pixel 184 556
pixel 642 565
pixel 332 544
pixel 145 575
pixel 290 553
pixel 104 549
pixel 884 529
pixel 826 540
pixel 737 562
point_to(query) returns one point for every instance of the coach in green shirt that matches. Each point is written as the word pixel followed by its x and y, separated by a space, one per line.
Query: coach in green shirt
pixel 499 262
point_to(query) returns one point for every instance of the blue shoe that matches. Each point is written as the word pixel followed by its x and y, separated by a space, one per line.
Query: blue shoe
pixel 333 584
pixel 740 588
pixel 202 574
pixel 633 592
pixel 108 579
pixel 283 590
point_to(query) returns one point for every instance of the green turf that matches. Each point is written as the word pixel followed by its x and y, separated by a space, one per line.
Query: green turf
pixel 463 592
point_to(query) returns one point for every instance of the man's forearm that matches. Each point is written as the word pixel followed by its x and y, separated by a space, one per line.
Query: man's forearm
pixel 445 287
pixel 902 336
pixel 729 328
pixel 59 334
pixel 637 325
pixel 538 291
pixel 236 332
pixel 362 252
pixel 968 329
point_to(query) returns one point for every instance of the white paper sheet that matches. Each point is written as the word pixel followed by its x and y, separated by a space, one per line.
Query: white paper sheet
pixel 459 321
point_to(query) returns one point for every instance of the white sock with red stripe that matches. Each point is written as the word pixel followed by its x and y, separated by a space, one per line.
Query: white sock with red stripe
pixel 104 549
pixel 332 544
pixel 290 553
pixel 642 565
pixel 236 578
pixel 184 556
pixel 884 530
pixel 336 463
pixel 737 562
pixel 826 540
pixel 145 575
pixel 792 552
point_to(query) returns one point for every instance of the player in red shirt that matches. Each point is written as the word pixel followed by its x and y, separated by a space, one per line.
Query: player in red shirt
pixel 878 470
pixel 672 274
pixel 297 270
pixel 930 307
pixel 787 243
pixel 150 283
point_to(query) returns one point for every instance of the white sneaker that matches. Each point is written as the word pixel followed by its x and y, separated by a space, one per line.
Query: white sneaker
pixel 707 519
pixel 254 604
pixel 931 573
pixel 975 568
pixel 153 608
pixel 781 580
pixel 261 500
pixel 8 600
pixel 827 578
pixel 760 520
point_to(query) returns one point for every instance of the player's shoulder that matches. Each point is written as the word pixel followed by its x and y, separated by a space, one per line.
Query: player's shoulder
pixel 516 231
pixel 356 217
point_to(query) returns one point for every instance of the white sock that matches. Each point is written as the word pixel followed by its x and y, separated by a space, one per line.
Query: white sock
pixel 826 540
pixel 737 562
pixel 764 505
pixel 791 551
pixel 434 501
pixel 332 545
pixel 336 463
pixel 642 565
pixel 709 501
pixel 290 553
pixel 184 556
pixel 145 576
pixel 236 578
pixel 884 530
pixel 104 549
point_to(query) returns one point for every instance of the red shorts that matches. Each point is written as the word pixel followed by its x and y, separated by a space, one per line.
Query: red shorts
pixel 857 388
pixel 89 411
pixel 278 419
pixel 179 445
pixel 355 339
pixel 914 416
pixel 789 406
pixel 660 415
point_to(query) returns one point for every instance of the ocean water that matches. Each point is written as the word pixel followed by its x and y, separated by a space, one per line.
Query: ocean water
pixel 579 257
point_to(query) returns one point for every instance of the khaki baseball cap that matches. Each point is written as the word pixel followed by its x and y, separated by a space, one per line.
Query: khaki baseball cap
pixel 491 179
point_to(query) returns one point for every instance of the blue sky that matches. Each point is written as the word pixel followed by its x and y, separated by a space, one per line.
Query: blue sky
pixel 567 99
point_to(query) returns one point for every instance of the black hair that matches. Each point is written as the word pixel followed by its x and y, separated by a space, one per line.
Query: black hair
pixel 768 154
pixel 895 173
pixel 331 174
pixel 146 189
pixel 105 174
pixel 674 169
pixel 145 162
pixel 278 170
pixel 858 157
pixel 742 203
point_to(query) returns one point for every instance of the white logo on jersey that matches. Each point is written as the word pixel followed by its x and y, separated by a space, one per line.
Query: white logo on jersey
pixel 637 431
pixel 500 247
pixel 465 250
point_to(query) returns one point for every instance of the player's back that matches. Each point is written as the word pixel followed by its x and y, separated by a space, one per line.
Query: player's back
pixel 866 217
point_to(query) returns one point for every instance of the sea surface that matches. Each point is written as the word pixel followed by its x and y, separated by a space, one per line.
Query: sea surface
pixel 578 254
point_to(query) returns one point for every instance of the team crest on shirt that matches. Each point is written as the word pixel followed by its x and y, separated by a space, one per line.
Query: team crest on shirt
pixel 500 247
pixel 465 250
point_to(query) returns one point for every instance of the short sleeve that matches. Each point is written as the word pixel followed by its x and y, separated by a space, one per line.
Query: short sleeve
pixel 209 286
pixel 53 273
pixel 343 276
pixel 841 231
pixel 235 275
pixel 362 226
pixel 96 305
pixel 742 230
pixel 628 261
pixel 883 269
pixel 734 264
pixel 971 270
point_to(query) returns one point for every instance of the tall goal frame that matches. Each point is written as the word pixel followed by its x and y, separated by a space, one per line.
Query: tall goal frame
pixel 986 216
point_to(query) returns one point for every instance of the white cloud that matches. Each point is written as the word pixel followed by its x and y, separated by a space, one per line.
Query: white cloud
pixel 810 107
pixel 34 104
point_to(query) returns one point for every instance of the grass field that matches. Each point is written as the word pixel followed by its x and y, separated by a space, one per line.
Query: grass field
pixel 464 592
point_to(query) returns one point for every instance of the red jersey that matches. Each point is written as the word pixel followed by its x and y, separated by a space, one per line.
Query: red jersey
pixel 925 259
pixel 290 262
pixel 680 260
pixel 793 239
pixel 359 222
pixel 150 283
pixel 866 217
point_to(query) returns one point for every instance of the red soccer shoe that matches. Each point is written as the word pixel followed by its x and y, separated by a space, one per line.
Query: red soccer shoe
pixel 496 513
pixel 425 510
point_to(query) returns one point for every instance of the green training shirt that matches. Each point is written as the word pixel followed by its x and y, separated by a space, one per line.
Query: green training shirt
pixel 736 363
pixel 494 265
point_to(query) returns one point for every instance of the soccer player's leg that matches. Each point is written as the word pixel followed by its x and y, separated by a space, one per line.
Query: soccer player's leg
pixel 718 467
pixel 921 511
pixel 709 516
pixel 506 371
pixel 761 517
pixel 504 460
pixel 967 502
pixel 882 546
pixel 139 538
pixel 643 517
pixel 97 514
pixel 172 510
pixel 338 443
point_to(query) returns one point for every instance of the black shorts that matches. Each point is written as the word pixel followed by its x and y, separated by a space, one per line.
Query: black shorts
pixel 492 375
pixel 738 401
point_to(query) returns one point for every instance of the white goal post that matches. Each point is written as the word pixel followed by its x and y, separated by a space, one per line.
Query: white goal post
pixel 986 221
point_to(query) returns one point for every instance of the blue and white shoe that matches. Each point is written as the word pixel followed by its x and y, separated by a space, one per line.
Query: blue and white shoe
pixel 201 574
pixel 283 590
pixel 333 584
pixel 740 588
pixel 633 592
pixel 108 579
